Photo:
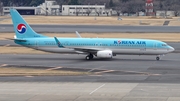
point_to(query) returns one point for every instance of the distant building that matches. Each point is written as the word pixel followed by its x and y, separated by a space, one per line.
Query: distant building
pixel 165 13
pixel 49 8
pixel 84 10
pixel 22 10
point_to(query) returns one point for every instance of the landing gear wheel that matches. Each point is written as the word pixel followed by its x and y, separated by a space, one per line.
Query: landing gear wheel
pixel 157 58
pixel 89 57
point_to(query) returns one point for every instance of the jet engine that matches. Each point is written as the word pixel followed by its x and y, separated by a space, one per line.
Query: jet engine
pixel 105 54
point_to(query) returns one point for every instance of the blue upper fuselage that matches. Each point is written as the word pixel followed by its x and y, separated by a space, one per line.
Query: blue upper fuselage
pixel 98 42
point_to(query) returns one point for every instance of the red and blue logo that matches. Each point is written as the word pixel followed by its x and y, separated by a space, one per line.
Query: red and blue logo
pixel 21 28
pixel 119 41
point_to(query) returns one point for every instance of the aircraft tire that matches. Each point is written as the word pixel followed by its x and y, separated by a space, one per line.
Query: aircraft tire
pixel 87 58
pixel 157 58
pixel 91 56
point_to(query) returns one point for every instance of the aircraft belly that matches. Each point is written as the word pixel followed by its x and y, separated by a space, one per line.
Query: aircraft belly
pixel 140 51
pixel 126 51
pixel 156 51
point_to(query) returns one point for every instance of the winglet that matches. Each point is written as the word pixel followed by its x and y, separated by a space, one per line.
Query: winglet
pixel 78 35
pixel 58 42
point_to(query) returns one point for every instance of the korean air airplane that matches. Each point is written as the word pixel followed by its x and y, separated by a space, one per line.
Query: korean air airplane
pixel 92 47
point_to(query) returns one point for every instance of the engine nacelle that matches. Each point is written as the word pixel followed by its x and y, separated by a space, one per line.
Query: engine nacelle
pixel 105 54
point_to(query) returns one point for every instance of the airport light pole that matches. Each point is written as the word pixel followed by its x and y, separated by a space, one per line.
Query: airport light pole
pixel 95 11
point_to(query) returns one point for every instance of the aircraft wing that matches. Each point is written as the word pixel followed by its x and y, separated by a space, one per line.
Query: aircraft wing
pixel 79 49
pixel 78 35
pixel 86 49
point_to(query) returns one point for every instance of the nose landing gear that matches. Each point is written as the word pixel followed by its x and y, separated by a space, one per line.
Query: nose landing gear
pixel 157 58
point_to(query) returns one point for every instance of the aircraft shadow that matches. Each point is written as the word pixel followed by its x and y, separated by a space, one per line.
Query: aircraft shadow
pixel 81 59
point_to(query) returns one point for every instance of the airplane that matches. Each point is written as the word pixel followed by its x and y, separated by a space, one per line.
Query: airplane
pixel 91 47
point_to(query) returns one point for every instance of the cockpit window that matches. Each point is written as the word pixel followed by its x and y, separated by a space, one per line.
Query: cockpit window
pixel 164 44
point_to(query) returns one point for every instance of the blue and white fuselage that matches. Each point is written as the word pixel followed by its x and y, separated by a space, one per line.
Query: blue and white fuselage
pixel 99 47
pixel 126 46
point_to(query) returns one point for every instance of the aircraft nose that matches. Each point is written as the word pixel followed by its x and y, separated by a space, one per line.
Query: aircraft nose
pixel 171 49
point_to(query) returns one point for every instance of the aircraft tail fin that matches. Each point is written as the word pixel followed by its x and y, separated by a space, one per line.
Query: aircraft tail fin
pixel 21 27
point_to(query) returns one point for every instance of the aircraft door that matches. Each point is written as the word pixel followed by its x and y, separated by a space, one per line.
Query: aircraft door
pixel 96 44
pixel 66 43
pixel 36 44
pixel 155 46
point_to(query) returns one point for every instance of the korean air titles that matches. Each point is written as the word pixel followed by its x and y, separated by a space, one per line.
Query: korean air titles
pixel 124 42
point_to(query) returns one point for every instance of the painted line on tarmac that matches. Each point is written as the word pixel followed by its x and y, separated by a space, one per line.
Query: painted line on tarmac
pixel 99 68
pixel 95 75
pixel 91 70
pixel 6 45
pixel 97 89
pixel 107 71
pixel 54 68
pixel 29 76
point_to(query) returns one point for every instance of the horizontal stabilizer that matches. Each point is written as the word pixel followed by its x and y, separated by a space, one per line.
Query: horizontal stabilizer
pixel 16 39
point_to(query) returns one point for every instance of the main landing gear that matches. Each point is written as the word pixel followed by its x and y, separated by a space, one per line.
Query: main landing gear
pixel 89 57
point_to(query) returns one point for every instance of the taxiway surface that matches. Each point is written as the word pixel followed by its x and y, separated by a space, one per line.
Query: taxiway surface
pixel 122 68
pixel 95 28
pixel 124 78
pixel 72 91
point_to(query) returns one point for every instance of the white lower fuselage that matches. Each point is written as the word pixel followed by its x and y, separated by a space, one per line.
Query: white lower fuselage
pixel 121 51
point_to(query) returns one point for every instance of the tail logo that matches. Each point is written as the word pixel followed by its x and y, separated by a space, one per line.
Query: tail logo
pixel 21 28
